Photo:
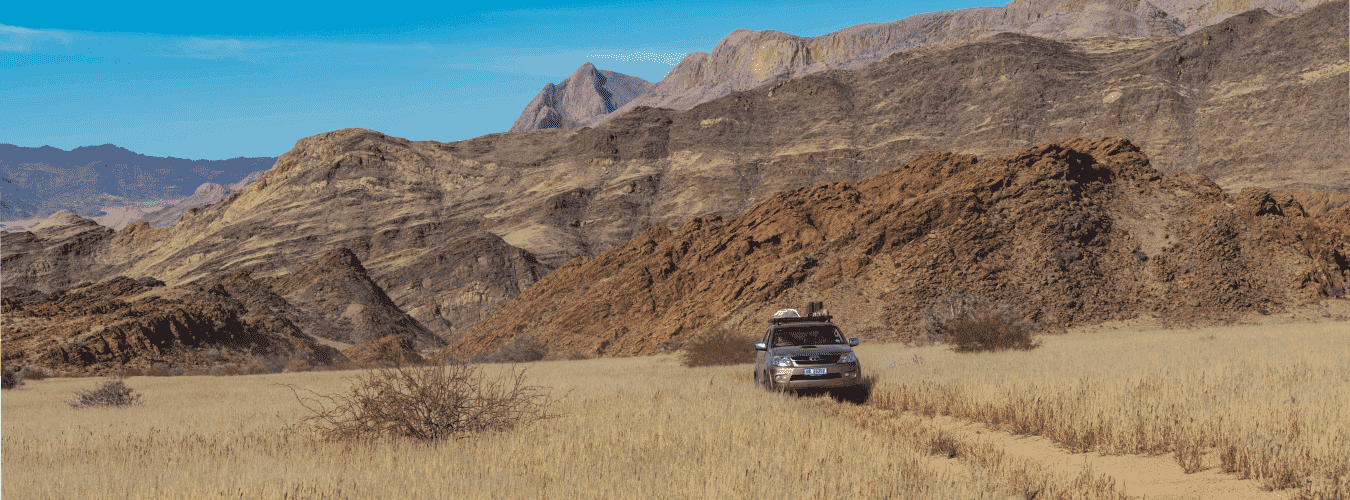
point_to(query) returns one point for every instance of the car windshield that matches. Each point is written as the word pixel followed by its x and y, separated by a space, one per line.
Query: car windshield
pixel 806 335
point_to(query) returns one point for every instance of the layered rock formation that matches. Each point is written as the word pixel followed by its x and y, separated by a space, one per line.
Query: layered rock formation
pixel 204 195
pixel 1074 232
pixel 102 328
pixel 581 98
pixel 747 59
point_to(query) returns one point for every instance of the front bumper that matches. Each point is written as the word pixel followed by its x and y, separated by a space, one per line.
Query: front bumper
pixel 836 375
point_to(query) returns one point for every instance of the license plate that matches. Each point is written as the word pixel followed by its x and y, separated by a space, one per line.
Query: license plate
pixel 815 371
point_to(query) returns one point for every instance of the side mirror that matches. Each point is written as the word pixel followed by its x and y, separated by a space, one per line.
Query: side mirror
pixel 853 341
pixel 760 346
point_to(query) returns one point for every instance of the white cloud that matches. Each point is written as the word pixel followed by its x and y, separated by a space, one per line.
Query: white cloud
pixel 17 39
pixel 671 58
pixel 202 48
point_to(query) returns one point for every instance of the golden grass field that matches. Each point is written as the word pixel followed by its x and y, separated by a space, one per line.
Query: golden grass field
pixel 1266 402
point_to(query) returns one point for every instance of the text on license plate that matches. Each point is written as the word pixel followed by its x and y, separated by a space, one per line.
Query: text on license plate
pixel 815 371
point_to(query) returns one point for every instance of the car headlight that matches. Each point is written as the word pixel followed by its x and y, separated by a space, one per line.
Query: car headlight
pixel 848 358
pixel 781 361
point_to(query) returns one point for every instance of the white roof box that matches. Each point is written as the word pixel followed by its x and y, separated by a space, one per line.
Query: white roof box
pixel 786 313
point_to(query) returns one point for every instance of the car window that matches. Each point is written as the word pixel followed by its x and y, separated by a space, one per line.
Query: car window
pixel 806 335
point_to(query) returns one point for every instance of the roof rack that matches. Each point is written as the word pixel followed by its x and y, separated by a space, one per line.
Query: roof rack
pixel 801 319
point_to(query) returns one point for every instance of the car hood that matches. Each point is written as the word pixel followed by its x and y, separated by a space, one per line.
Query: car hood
pixel 798 351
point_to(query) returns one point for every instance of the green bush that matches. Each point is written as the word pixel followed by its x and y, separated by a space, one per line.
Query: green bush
pixel 112 393
pixel 718 346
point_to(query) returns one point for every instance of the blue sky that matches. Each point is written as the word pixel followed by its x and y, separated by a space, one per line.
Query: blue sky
pixel 248 78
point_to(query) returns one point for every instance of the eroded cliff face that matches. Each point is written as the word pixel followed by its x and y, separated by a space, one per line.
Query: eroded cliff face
pixel 1074 232
pixel 747 59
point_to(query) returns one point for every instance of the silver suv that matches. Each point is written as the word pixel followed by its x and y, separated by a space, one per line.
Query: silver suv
pixel 805 352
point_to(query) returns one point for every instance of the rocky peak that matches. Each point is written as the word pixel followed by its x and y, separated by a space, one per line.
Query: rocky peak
pixel 586 94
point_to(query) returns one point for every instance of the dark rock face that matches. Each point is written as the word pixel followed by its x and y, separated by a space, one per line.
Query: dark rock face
pixel 581 98
pixel 340 302
pixel 1073 232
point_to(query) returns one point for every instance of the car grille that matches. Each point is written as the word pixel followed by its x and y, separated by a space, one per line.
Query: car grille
pixel 826 376
pixel 821 359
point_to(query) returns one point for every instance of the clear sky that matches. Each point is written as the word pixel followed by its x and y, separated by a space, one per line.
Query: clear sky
pixel 217 80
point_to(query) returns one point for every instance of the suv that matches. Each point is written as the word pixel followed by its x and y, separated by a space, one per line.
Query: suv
pixel 805 352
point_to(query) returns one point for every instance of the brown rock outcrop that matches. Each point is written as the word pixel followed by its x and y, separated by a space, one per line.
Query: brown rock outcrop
pixel 101 328
pixel 1075 232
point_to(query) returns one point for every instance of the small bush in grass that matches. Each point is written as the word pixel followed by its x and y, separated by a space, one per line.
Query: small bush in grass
pixel 429 403
pixel 113 393
pixel 973 324
pixel 522 350
pixel 11 378
pixel 718 346
pixel 35 374
pixel 987 331
pixel 297 365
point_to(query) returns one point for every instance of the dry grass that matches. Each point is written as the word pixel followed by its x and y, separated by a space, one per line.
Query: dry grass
pixel 1260 403
pixel 1266 404
pixel 631 428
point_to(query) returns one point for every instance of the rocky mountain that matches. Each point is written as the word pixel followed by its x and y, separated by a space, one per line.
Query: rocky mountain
pixel 41 181
pixel 747 59
pixel 581 98
pixel 449 232
pixel 1073 232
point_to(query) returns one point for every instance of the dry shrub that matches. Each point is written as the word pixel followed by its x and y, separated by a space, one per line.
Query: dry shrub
pixel 112 393
pixel 973 324
pixel 429 403
pixel 35 374
pixel 297 365
pixel 718 346
pixel 522 350
pixel 11 378
pixel 157 370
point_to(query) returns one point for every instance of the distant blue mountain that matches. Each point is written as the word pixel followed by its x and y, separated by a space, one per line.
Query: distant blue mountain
pixel 37 182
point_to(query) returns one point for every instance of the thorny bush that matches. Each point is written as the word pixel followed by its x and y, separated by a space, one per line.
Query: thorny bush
pixel 113 393
pixel 428 403
pixel 718 346
pixel 973 324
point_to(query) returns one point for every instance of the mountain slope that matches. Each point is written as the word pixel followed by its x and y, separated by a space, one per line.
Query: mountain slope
pixel 1075 232
pixel 747 59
